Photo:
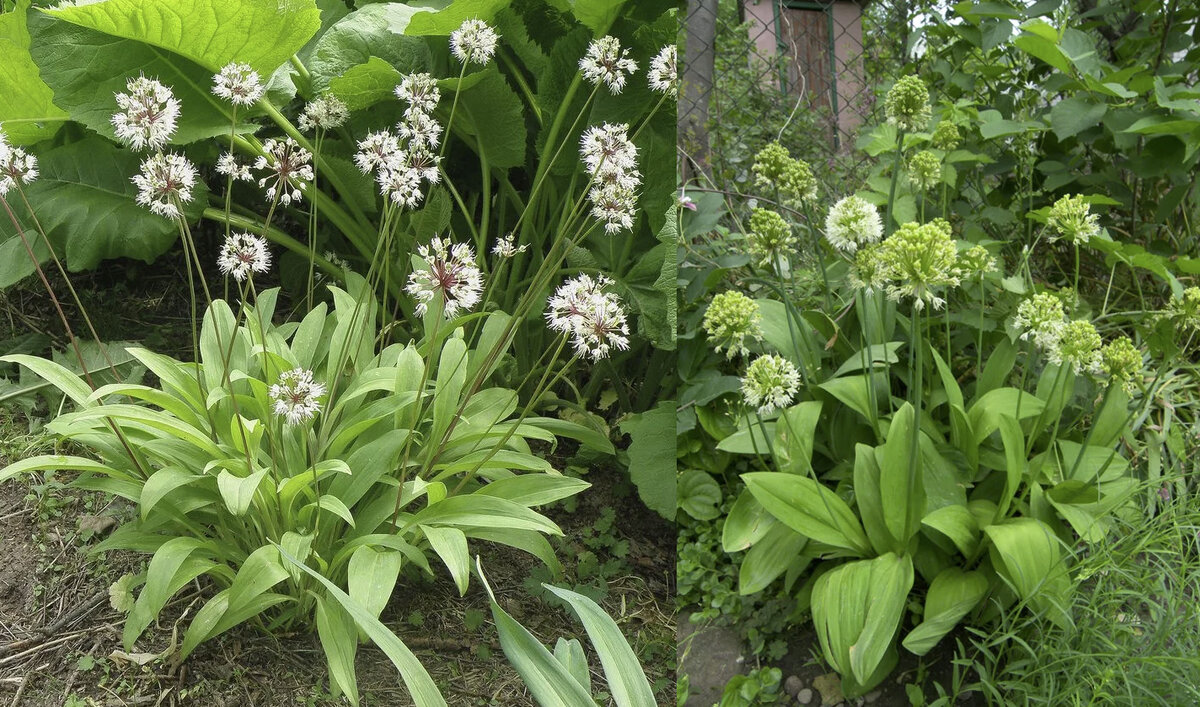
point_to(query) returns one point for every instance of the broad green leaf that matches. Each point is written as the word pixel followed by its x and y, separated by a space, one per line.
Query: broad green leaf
pixel 28 113
pixel 868 497
pixel 421 687
pixel 375 30
pixel 238 492
pixel 699 494
pixel 900 476
pixel 86 67
pixel 985 414
pixel 794 432
pixel 479 510
pixel 339 642
pixel 870 356
pixel 371 577
pixel 54 462
pixel 246 597
pixel 212 33
pixel 854 391
pixel 451 377
pixel 1015 461
pixel 747 523
pixel 570 654
pixel 951 595
pixel 1038 44
pixel 548 680
pixel 492 113
pixel 752 439
pixel 85 202
pixel 166 574
pixel 810 509
pixel 769 559
pixel 652 456
pixel 1027 555
pixel 958 524
pixel 1090 463
pixel 588 436
pixel 451 545
pixel 62 378
pixel 364 85
pixel 857 608
pixel 451 16
pixel 161 483
pixel 626 681
pixel 1073 115
pixel 534 490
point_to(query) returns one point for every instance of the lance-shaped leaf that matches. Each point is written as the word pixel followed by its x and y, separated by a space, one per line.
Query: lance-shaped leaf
pixel 951 595
pixel 810 509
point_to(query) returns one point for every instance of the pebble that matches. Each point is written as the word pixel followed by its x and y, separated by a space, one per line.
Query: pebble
pixel 804 696
pixel 872 696
pixel 792 685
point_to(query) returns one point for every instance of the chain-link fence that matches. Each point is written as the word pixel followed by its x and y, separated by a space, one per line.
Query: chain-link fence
pixel 802 71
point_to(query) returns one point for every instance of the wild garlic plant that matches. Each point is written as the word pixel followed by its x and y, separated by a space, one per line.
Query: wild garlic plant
pixel 934 431
pixel 304 465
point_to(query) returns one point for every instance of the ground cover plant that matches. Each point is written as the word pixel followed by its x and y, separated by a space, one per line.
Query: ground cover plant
pixel 305 464
pixel 937 408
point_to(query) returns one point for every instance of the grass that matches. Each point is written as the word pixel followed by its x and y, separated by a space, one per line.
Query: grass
pixel 1136 639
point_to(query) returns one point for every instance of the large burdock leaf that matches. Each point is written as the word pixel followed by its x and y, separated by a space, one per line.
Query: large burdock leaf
pixel 212 33
pixel 27 113
pixel 86 67
pixel 856 610
pixel 372 35
pixel 84 200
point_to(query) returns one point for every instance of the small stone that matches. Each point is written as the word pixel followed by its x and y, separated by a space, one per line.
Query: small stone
pixel 872 696
pixel 830 687
pixel 792 685
pixel 804 696
pixel 95 525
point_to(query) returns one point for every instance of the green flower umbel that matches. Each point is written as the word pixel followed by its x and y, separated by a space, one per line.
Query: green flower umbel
pixel 1186 309
pixel 924 171
pixel 730 319
pixel 770 237
pixel 1071 218
pixel 1078 346
pixel 907 104
pixel 769 383
pixel 853 222
pixel 975 262
pixel 776 171
pixel 920 259
pixel 1040 318
pixel 945 136
pixel 1122 363
pixel 868 272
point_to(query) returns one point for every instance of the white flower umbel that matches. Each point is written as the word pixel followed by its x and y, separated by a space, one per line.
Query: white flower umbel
pixel 165 181
pixel 243 254
pixel 595 319
pixel 853 222
pixel 402 186
pixel 770 383
pixel 239 84
pixel 506 247
pixel 420 130
pixel 452 274
pixel 615 205
pixel 568 303
pixel 148 114
pixel 324 113
pixel 611 160
pixel 663 75
pixel 420 92
pixel 602 328
pixel 289 167
pixel 228 165
pixel 421 160
pixel 16 166
pixel 297 397
pixel 605 62
pixel 474 42
pixel 377 150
